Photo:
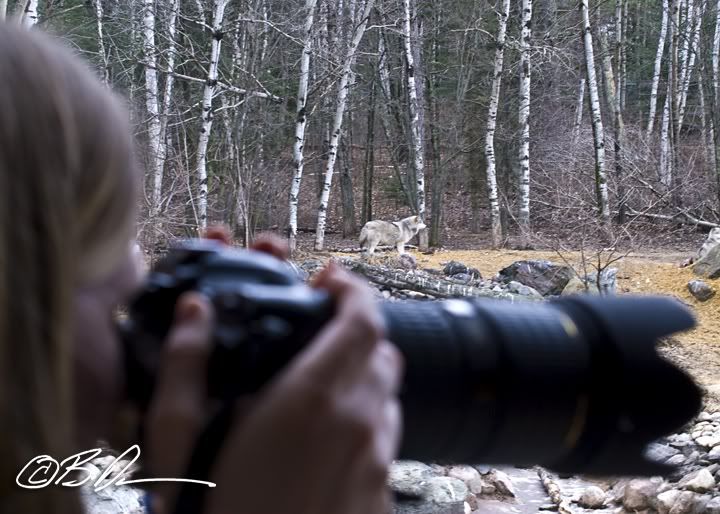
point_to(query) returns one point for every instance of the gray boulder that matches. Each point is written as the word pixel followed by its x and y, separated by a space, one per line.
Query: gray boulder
pixel 700 290
pixel 592 498
pixel 545 277
pixel 458 268
pixel 709 265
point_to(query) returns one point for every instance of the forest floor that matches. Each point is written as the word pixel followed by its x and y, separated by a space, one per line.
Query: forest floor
pixel 644 271
pixel 697 351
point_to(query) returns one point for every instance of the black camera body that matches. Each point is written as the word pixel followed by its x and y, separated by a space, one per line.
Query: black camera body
pixel 573 384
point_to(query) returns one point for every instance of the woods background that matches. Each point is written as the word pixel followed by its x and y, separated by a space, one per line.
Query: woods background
pixel 526 118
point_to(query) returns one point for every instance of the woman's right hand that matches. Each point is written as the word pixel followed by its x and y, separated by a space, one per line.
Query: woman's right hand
pixel 319 439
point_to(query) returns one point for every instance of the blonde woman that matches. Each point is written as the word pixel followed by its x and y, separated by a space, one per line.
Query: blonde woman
pixel 319 440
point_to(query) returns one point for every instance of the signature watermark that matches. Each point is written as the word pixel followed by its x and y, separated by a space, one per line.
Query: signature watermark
pixel 43 471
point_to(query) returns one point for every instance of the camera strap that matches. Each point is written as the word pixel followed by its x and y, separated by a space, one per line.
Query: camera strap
pixel 191 498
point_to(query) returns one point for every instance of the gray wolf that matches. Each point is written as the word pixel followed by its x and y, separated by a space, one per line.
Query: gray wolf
pixel 396 233
pixel 713 239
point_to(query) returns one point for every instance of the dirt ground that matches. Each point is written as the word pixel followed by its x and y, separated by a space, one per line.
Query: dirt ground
pixel 697 351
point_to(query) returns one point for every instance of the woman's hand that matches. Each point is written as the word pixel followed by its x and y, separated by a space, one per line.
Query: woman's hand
pixel 319 439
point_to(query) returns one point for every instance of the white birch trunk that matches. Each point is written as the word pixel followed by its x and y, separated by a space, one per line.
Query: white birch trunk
pixel 151 102
pixel 579 111
pixel 496 227
pixel 694 23
pixel 337 124
pixel 656 70
pixel 101 41
pixel 706 125
pixel 524 118
pixel 598 131
pixel 30 14
pixel 665 164
pixel 207 111
pixel 3 9
pixel 301 121
pixel 416 117
pixel 174 7
pixel 716 59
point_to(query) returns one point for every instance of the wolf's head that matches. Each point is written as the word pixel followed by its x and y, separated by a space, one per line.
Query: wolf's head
pixel 414 223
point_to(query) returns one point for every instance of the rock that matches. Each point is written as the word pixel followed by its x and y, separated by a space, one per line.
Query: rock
pixel 443 490
pixel 708 441
pixel 700 482
pixel 309 267
pixel 639 494
pixel 714 454
pixel 661 452
pixel 409 477
pixel 705 416
pixel 545 277
pixel 685 503
pixel 713 506
pixel 521 289
pixel 676 460
pixel 501 482
pixel 408 261
pixel 453 268
pixel 709 265
pixel 577 286
pixel 666 500
pixel 469 475
pixel 700 290
pixel 592 498
pixel 461 278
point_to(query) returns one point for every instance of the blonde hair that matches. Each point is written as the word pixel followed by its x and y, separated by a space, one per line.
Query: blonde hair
pixel 67 199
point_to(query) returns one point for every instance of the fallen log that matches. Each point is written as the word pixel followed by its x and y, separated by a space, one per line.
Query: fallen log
pixel 423 282
pixel 377 249
pixel 554 492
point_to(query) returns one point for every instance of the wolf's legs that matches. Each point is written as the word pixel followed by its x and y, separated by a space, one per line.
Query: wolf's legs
pixel 401 248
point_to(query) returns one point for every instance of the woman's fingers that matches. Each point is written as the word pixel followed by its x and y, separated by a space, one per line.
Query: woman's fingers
pixel 273 245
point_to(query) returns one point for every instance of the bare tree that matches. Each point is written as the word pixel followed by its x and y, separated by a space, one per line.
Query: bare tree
pixel 491 175
pixel 301 120
pixel 524 118
pixel 209 90
pixel 579 110
pixel 416 117
pixel 30 13
pixel 598 131
pixel 657 69
pixel 337 121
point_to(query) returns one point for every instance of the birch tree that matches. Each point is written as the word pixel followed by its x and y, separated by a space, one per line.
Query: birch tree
pixel 30 13
pixel 656 70
pixel 101 41
pixel 301 120
pixel 524 118
pixel 209 90
pixel 3 9
pixel 337 122
pixel 579 111
pixel 598 131
pixel 715 97
pixel 414 107
pixel 151 104
pixel 491 175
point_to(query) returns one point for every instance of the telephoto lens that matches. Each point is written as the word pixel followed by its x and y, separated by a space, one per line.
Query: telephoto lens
pixel 575 384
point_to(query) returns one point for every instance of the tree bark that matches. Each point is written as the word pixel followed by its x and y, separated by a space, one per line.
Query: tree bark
pixel 656 70
pixel 415 125
pixel 301 121
pixel 491 170
pixel 421 282
pixel 598 131
pixel 367 205
pixel 579 111
pixel 151 104
pixel 524 119
pixel 30 13
pixel 337 123
pixel 207 111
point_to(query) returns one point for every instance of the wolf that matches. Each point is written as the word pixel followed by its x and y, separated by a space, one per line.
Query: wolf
pixel 713 239
pixel 395 233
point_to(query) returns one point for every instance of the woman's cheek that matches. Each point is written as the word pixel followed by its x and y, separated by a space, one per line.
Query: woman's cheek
pixel 98 371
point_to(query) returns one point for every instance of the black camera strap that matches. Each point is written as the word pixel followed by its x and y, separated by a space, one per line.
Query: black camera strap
pixel 191 498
